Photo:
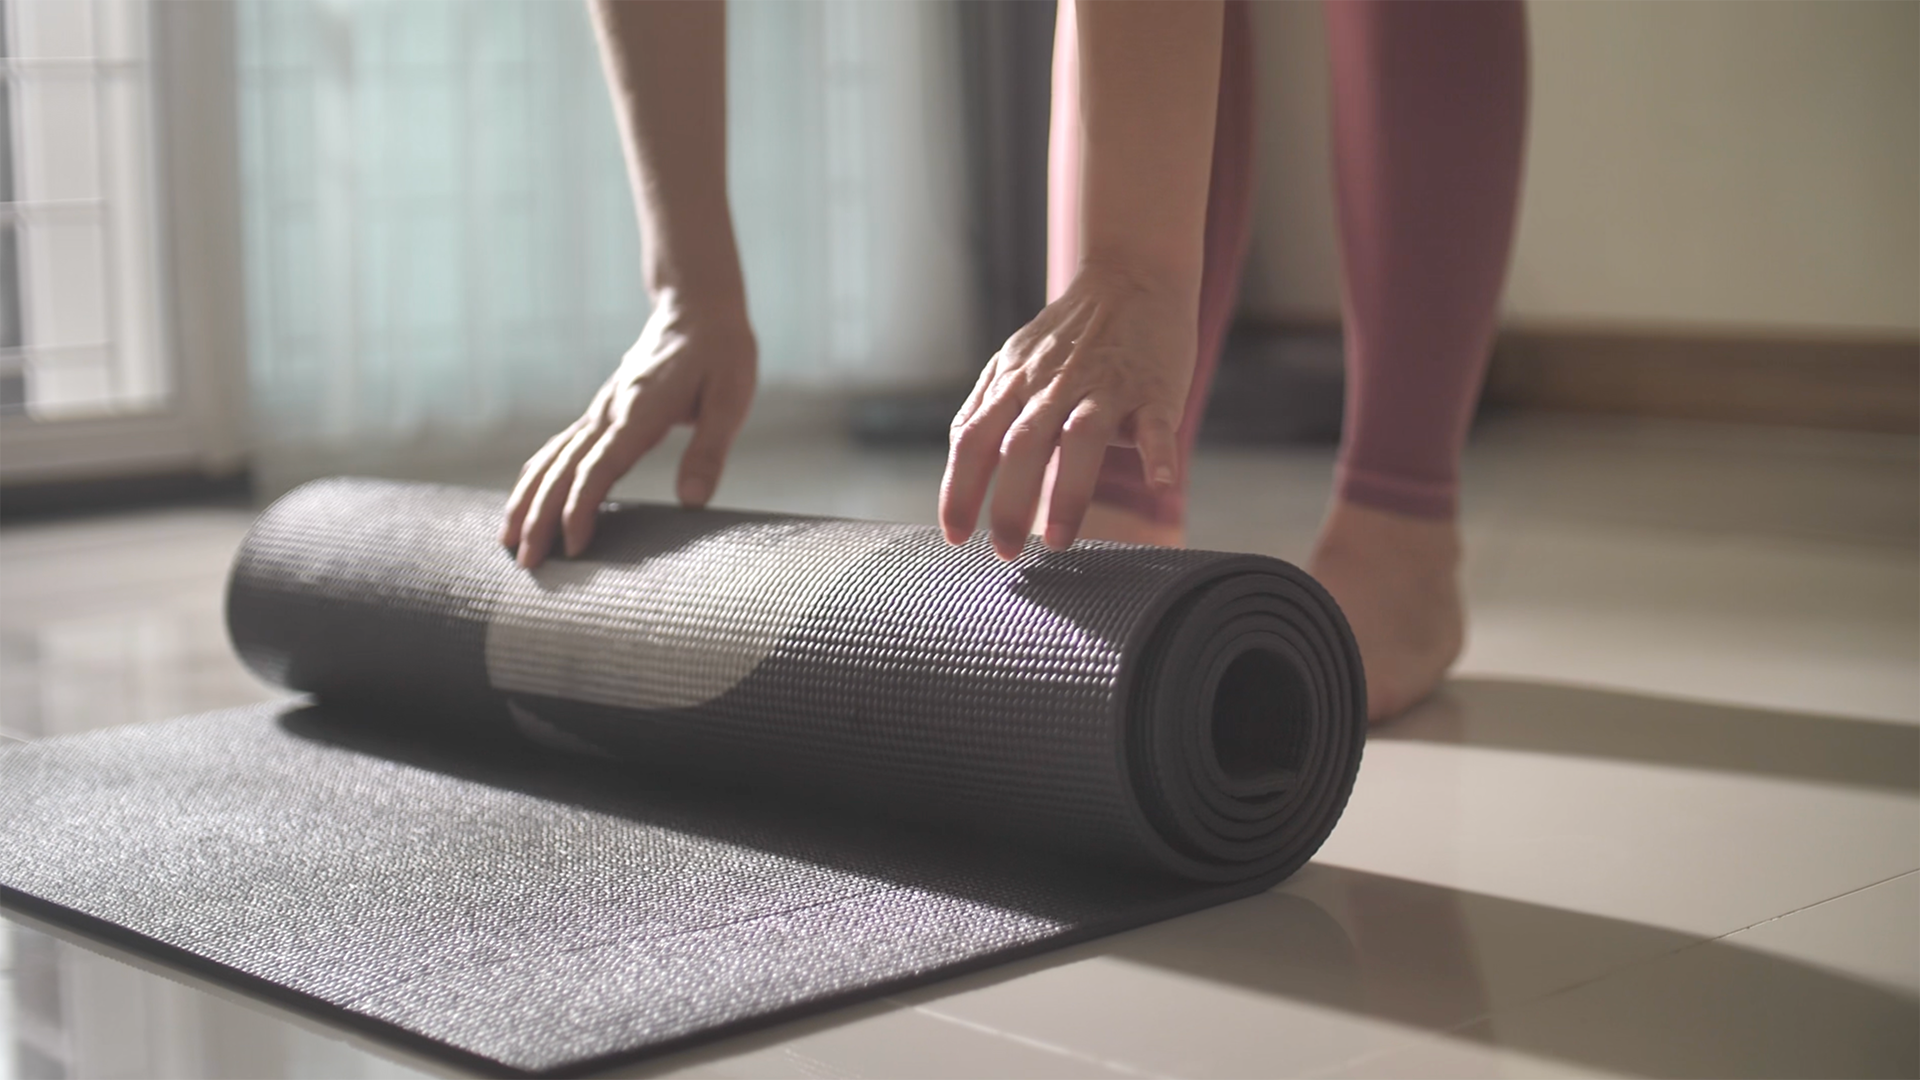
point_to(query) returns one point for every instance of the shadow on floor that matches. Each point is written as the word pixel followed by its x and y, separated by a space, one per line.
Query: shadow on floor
pixel 1488 970
pixel 1491 973
pixel 1585 722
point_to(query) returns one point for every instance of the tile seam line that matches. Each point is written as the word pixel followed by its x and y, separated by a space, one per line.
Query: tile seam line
pixel 1375 1054
pixel 1025 1040
pixel 1643 961
pixel 1364 1057
pixel 1818 903
pixel 1448 1030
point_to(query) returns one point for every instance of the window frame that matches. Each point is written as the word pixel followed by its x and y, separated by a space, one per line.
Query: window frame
pixel 200 281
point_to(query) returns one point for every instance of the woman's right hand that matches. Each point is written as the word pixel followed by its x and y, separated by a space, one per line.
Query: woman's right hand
pixel 690 366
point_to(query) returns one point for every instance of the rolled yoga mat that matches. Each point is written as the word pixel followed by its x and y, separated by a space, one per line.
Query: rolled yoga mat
pixel 725 769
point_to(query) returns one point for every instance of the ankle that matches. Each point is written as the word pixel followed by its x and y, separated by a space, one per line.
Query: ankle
pixel 1397 579
pixel 1418 545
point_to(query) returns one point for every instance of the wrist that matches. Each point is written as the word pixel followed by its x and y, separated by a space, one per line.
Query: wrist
pixel 716 305
pixel 1141 274
pixel 695 267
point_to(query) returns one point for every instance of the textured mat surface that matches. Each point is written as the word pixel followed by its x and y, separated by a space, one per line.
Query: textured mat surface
pixel 724 769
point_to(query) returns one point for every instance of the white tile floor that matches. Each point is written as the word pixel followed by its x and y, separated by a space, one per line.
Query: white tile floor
pixel 1665 821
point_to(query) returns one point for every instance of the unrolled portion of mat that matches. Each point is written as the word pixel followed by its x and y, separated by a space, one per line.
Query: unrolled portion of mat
pixel 723 769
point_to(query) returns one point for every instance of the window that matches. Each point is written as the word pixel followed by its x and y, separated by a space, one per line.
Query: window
pixel 122 327
pixel 78 317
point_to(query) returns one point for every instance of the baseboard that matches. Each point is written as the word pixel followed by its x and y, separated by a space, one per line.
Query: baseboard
pixel 49 499
pixel 1848 383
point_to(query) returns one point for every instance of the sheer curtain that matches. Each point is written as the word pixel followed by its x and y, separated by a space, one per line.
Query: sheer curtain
pixel 442 257
pixel 848 175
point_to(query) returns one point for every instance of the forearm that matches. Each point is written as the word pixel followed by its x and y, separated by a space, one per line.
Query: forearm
pixel 665 63
pixel 1149 81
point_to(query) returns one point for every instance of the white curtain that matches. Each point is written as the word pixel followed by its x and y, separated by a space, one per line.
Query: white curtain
pixel 442 255
pixel 847 174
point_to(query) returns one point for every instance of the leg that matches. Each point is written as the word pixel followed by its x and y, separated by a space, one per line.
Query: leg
pixel 1124 507
pixel 1429 121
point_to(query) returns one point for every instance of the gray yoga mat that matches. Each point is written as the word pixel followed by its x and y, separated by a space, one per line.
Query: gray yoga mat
pixel 723 770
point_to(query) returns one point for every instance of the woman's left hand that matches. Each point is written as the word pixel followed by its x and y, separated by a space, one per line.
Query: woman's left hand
pixel 1107 364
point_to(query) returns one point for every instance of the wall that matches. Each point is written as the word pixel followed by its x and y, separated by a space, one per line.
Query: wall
pixel 1738 166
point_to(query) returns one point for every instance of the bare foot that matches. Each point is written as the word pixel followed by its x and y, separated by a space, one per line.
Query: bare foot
pixel 1398 580
pixel 1105 522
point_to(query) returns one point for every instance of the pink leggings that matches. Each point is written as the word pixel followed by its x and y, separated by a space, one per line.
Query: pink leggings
pixel 1429 116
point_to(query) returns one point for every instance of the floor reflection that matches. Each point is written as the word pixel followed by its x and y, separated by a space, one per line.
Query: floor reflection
pixel 76 1013
pixel 35 1015
pixel 83 674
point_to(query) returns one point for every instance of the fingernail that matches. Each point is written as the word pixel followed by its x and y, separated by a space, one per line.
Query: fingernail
pixel 697 491
pixel 1057 538
pixel 1162 476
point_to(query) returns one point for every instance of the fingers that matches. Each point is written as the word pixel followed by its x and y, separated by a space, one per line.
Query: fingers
pixel 1023 465
pixel 974 453
pixel 980 427
pixel 1154 433
pixel 981 385
pixel 530 476
pixel 723 409
pixel 609 458
pixel 1083 446
pixel 1106 362
pixel 543 513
